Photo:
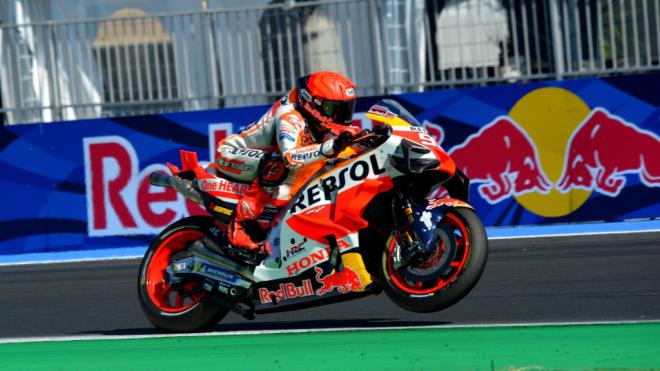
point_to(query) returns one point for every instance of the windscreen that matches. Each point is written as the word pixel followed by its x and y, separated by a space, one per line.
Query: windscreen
pixel 386 107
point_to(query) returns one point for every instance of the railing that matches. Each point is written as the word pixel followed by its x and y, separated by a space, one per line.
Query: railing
pixel 609 36
pixel 135 63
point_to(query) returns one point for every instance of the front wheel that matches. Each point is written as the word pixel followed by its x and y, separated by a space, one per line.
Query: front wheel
pixel 188 307
pixel 461 255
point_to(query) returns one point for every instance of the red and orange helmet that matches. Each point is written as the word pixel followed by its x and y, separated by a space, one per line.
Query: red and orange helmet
pixel 326 97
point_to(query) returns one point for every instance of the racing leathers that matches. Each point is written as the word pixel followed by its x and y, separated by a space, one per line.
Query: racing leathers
pixel 270 153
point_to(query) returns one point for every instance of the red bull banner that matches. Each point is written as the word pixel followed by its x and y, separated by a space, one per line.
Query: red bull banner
pixel 553 152
pixel 536 153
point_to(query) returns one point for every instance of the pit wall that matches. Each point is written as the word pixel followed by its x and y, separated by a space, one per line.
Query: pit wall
pixel 537 153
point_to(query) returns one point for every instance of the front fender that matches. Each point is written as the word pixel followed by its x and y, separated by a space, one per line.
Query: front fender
pixel 428 215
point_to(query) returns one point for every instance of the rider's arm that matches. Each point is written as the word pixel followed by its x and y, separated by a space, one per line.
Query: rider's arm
pixel 289 133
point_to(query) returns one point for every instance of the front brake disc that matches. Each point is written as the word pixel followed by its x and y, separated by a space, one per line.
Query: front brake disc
pixel 438 263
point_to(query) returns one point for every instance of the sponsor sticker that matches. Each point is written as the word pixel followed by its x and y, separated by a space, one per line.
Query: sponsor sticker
pixel 381 111
pixel 255 153
pixel 286 291
pixel 223 185
pixel 295 249
pixel 288 128
pixel 357 171
pixel 314 258
pixel 287 136
pixel 419 129
pixel 344 281
pixel 308 155
pixel 426 219
pixel 219 272
pixel 447 202
pixel 305 94
pixel 222 210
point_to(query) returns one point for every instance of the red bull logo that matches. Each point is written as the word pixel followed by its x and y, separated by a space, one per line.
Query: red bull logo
pixel 344 281
pixel 552 151
pixel 604 148
pixel 511 167
pixel 286 291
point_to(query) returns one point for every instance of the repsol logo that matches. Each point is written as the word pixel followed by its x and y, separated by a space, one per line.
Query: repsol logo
pixel 356 172
pixel 247 152
pixel 234 165
pixel 306 156
pixel 418 129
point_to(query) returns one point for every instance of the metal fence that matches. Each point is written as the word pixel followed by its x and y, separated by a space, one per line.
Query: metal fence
pixel 136 63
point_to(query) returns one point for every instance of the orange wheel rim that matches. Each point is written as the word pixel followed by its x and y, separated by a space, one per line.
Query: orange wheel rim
pixel 456 266
pixel 160 293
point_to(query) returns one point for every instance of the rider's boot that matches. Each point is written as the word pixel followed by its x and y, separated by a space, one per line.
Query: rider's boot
pixel 249 207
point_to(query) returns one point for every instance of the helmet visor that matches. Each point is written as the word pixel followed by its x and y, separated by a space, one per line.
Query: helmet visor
pixel 339 111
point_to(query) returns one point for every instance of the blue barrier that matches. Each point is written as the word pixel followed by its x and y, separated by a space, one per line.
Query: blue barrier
pixel 537 153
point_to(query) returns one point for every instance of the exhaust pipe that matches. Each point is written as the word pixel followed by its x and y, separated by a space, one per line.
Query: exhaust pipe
pixel 178 184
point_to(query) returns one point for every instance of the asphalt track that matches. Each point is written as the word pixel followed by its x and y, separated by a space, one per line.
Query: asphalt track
pixel 542 280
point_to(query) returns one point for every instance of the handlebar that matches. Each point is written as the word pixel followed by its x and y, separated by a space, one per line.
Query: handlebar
pixel 364 137
pixel 374 136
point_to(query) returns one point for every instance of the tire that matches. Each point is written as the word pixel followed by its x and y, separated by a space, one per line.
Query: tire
pixel 447 289
pixel 160 304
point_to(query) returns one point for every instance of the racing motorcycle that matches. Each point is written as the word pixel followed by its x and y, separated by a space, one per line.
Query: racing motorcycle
pixel 357 225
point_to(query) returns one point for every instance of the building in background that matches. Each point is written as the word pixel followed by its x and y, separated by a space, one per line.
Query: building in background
pixel 72 59
pixel 471 37
pixel 135 57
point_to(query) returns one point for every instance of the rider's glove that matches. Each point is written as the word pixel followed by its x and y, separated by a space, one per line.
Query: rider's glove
pixel 382 130
pixel 337 129
pixel 378 135
pixel 335 145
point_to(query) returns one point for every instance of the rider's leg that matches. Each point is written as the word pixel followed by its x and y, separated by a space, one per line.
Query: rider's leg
pixel 242 164
pixel 268 172
pixel 249 207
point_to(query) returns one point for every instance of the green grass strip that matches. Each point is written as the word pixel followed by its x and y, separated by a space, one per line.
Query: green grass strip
pixel 594 347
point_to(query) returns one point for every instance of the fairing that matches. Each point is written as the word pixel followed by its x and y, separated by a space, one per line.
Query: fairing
pixel 405 125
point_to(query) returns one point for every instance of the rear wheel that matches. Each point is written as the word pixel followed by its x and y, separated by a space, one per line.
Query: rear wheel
pixel 187 307
pixel 449 275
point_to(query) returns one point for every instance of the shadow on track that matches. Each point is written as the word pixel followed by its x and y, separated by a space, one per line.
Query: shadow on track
pixel 283 325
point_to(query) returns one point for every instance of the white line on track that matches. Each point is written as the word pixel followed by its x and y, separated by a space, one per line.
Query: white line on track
pixel 316 330
pixel 572 234
pixel 81 260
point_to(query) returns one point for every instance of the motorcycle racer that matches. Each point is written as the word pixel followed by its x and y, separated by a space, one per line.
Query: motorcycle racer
pixel 310 123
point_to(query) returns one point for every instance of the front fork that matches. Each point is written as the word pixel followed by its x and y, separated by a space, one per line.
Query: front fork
pixel 409 248
pixel 416 225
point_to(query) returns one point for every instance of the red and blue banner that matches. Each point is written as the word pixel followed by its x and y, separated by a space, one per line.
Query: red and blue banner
pixel 537 153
